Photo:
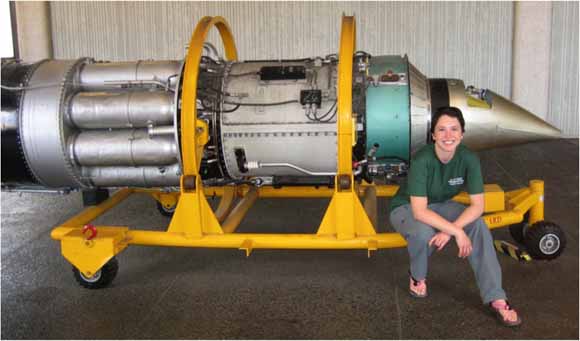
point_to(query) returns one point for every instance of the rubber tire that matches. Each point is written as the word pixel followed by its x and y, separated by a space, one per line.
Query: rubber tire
pixel 534 235
pixel 165 211
pixel 517 230
pixel 108 273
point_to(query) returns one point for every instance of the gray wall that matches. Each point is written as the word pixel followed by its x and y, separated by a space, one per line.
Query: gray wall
pixel 563 104
pixel 466 40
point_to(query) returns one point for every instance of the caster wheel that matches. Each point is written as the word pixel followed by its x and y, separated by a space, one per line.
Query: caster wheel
pixel 545 240
pixel 165 211
pixel 518 231
pixel 101 278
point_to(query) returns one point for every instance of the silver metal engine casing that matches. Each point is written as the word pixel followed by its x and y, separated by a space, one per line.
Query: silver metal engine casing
pixel 42 126
pixel 280 133
pixel 420 108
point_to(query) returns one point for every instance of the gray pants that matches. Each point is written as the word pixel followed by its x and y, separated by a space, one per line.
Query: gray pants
pixel 483 258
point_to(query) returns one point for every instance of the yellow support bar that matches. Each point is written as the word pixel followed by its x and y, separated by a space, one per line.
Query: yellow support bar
pixel 512 194
pixel 494 198
pixel 500 219
pixel 239 212
pixel 225 206
pixel 264 241
pixel 92 212
pixel 521 195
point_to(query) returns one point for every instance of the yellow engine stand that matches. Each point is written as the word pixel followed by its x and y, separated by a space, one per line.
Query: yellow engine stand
pixel 347 223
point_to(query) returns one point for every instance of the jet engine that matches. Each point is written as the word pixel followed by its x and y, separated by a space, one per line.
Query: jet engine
pixel 82 124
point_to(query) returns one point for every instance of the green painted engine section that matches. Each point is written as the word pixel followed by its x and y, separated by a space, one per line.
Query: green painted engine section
pixel 387 109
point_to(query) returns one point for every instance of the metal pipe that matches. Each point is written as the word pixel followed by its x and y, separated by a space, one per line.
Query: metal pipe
pixel 160 131
pixel 258 164
pixel 122 148
pixel 97 75
pixel 239 212
pixel 134 109
pixel 20 88
pixel 33 190
pixel 131 176
pixel 128 84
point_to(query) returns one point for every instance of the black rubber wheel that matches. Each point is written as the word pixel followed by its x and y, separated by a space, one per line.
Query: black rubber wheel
pixel 518 231
pixel 101 279
pixel 545 240
pixel 166 211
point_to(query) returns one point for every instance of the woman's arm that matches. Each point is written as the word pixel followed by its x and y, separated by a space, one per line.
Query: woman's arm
pixel 422 213
pixel 472 212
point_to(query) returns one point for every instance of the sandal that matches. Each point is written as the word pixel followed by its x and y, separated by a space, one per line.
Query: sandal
pixel 415 287
pixel 501 318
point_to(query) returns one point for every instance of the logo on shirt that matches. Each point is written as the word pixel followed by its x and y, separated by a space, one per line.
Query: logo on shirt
pixel 455 181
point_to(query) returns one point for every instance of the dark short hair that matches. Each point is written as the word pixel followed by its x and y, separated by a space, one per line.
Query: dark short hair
pixel 449 111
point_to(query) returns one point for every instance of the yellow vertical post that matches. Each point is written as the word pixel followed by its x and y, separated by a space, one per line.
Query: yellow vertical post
pixel 345 216
pixel 370 204
pixel 537 211
pixel 193 215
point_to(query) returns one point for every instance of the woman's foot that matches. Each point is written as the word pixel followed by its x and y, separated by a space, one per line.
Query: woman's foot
pixel 505 314
pixel 417 288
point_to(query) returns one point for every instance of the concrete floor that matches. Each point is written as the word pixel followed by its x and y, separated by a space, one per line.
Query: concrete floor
pixel 170 293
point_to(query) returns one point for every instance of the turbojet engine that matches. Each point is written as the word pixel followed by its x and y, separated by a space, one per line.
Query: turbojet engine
pixel 82 124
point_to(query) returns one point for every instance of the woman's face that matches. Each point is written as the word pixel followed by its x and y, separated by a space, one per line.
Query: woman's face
pixel 448 134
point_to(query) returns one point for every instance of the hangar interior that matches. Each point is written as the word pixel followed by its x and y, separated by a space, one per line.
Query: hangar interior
pixel 526 52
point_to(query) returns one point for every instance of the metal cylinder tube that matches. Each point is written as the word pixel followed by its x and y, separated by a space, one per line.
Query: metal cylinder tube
pixel 162 130
pixel 109 75
pixel 123 148
pixel 134 109
pixel 130 176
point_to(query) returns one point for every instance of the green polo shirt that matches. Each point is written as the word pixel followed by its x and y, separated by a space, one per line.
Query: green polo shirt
pixel 439 182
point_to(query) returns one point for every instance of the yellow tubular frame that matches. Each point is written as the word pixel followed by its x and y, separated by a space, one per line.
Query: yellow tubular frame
pixel 345 216
pixel 345 225
pixel 193 215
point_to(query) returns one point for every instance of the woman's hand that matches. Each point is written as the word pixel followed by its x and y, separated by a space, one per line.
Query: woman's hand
pixel 463 243
pixel 439 240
